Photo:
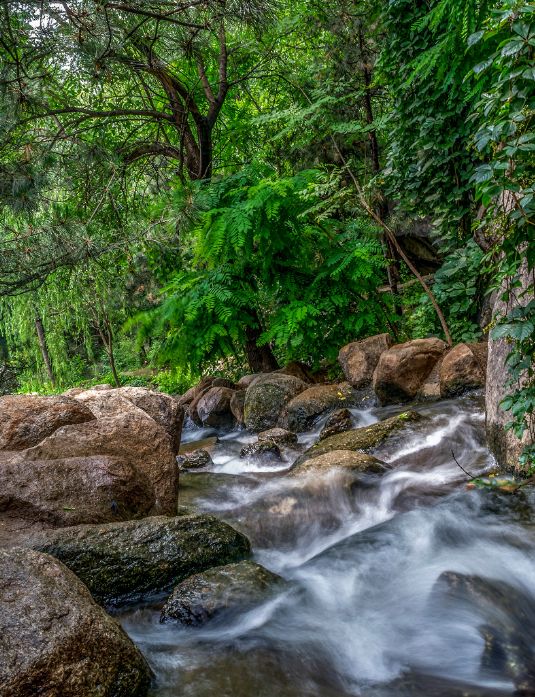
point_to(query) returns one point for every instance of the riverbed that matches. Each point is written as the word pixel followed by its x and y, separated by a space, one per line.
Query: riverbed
pixel 374 601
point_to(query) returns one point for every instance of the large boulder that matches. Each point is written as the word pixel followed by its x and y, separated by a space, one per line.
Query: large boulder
pixel 55 640
pixel 359 359
pixel 213 408
pixel 267 396
pixel 133 437
pixel 463 368
pixel 163 408
pixel 206 595
pixel 346 460
pixel 301 412
pixel 25 420
pixel 404 368
pixel 364 440
pixel 73 490
pixel 122 562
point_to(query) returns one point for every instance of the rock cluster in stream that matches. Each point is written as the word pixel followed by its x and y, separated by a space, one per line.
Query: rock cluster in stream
pixel 88 495
pixel 292 398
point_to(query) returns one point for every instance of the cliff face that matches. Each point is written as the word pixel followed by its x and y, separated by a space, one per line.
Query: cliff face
pixel 505 446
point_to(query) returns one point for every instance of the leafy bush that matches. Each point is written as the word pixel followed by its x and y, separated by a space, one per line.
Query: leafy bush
pixel 458 288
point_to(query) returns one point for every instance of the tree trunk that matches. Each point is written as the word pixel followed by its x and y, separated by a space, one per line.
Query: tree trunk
pixel 260 358
pixel 205 151
pixel 382 208
pixel 44 349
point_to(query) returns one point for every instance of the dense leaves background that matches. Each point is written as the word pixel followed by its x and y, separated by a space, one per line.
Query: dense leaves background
pixel 206 187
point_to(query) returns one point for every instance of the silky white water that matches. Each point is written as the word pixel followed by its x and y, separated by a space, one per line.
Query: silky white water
pixel 363 611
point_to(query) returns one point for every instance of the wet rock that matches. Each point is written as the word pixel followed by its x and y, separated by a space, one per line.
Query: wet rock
pixel 25 420
pixel 508 621
pixel 306 407
pixel 121 562
pixel 54 639
pixel 346 460
pixel 203 444
pixel 338 422
pixel 134 438
pixel 161 407
pixel 404 368
pixel 280 436
pixel 263 449
pixel 266 397
pixel 73 490
pixel 359 359
pixel 237 406
pixel 364 439
pixel 463 368
pixel 206 595
pixel 195 460
pixel 213 407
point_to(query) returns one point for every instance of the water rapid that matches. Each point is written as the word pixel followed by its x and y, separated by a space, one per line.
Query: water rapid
pixel 405 584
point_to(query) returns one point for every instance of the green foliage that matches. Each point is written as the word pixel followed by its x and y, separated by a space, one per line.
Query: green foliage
pixel 425 61
pixel 174 380
pixel 261 260
pixel 457 287
pixel 505 137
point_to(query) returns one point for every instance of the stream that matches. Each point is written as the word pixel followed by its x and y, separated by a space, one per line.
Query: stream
pixel 363 611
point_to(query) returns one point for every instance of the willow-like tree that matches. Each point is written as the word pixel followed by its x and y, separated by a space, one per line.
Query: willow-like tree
pixel 154 75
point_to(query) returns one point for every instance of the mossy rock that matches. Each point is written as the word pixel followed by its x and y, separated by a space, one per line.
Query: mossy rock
pixel 124 562
pixel 364 439
pixel 346 460
pixel 206 595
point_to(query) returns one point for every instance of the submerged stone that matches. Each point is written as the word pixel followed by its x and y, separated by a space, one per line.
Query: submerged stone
pixel 203 596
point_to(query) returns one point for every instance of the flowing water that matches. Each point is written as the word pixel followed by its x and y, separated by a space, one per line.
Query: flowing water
pixel 363 611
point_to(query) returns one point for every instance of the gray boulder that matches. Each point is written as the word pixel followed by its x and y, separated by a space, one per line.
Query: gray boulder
pixel 266 398
pixel 203 596
pixel 123 562
pixel 301 412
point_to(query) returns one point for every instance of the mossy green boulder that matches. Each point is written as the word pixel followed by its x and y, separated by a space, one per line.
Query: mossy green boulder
pixel 125 562
pixel 363 440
